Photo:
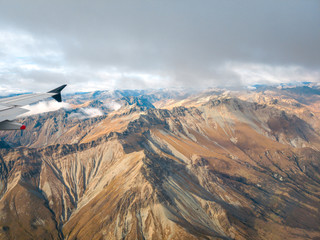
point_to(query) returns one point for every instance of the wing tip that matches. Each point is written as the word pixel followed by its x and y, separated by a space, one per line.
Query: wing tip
pixel 58 89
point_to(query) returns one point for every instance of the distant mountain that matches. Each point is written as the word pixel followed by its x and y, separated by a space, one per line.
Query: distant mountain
pixel 151 95
pixel 210 165
pixel 303 90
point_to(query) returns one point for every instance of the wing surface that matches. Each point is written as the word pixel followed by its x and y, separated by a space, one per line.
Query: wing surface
pixel 11 113
pixel 26 99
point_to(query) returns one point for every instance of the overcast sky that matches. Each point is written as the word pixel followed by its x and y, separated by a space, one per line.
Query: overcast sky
pixel 137 44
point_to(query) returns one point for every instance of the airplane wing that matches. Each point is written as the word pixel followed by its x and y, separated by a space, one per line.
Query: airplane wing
pixel 10 107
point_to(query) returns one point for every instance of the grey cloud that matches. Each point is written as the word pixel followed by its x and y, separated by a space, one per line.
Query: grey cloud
pixel 187 41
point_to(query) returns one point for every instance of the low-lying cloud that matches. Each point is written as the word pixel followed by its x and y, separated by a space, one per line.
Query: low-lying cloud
pixel 44 106
pixel 113 105
pixel 92 112
pixel 85 113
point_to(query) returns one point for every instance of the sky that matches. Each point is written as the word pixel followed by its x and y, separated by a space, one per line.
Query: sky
pixel 142 44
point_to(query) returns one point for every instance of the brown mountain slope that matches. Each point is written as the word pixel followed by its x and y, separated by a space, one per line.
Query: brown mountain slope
pixel 227 169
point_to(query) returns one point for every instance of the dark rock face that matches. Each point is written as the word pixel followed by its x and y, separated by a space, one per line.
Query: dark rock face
pixel 3 144
pixel 224 169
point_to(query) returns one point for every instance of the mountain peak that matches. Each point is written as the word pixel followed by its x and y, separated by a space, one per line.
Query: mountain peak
pixel 140 102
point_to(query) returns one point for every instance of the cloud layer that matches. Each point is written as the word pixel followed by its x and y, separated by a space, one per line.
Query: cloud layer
pixel 149 44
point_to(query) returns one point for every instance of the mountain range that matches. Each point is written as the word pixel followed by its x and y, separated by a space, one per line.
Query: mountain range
pixel 166 164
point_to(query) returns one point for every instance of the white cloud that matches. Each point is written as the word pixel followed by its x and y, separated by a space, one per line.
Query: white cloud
pixel 113 105
pixel 44 106
pixel 254 73
pixel 163 44
pixel 23 60
pixel 18 47
pixel 86 113
pixel 92 112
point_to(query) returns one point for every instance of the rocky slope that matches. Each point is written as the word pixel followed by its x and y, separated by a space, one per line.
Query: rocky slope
pixel 211 166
